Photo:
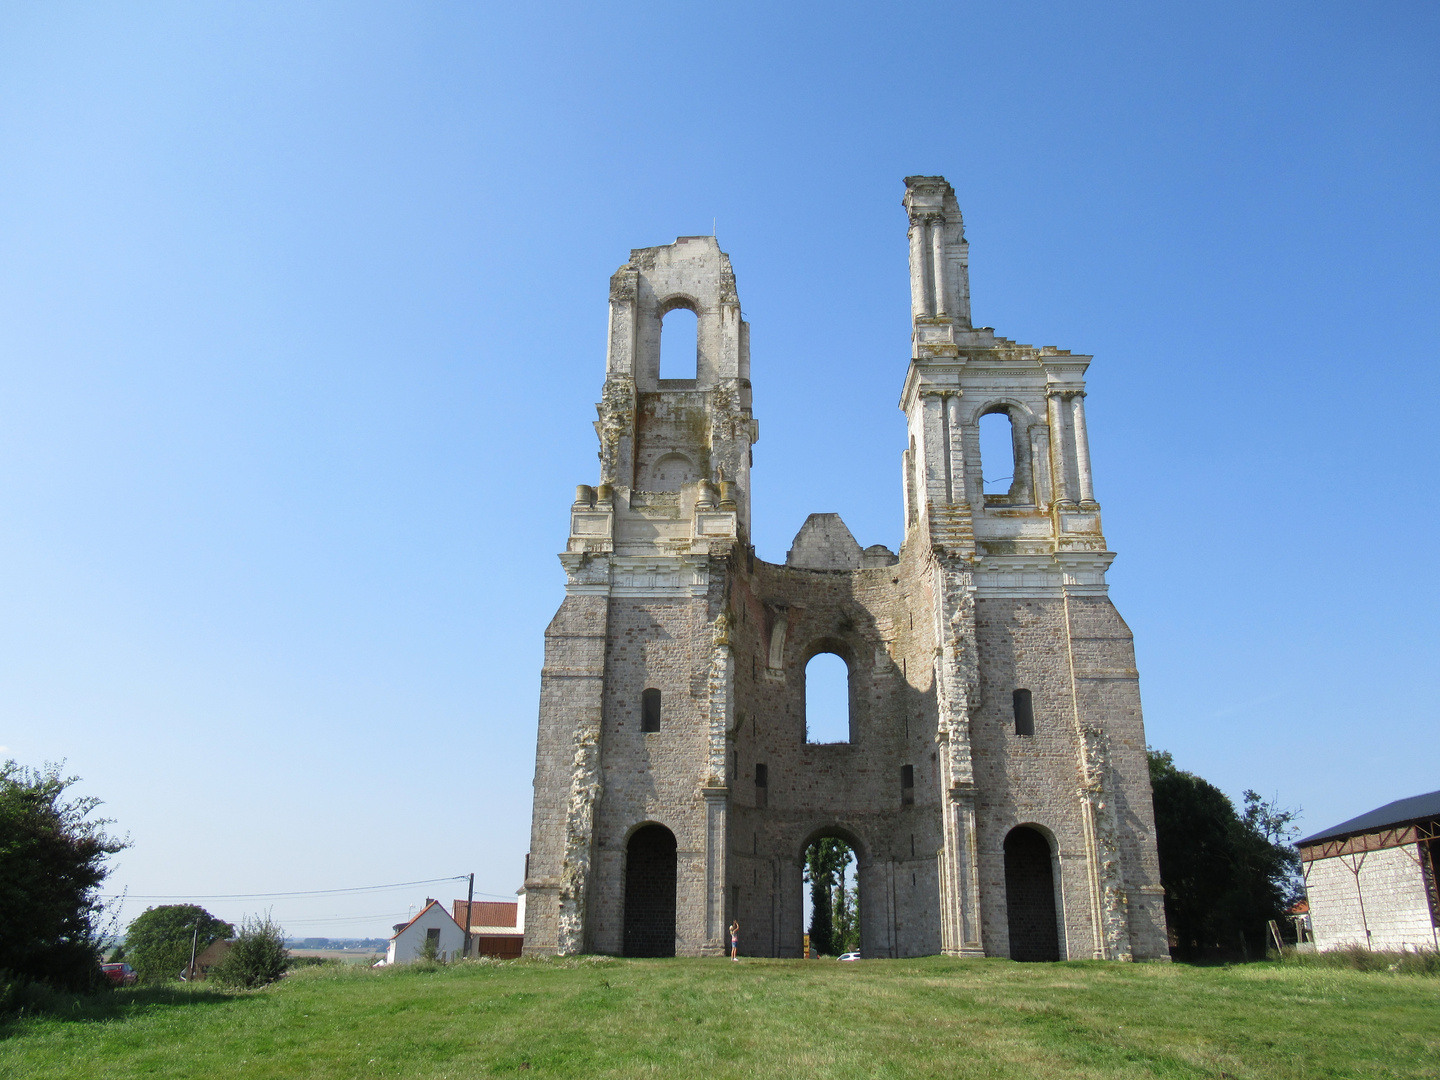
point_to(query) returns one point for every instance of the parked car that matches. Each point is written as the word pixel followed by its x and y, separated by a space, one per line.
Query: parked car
pixel 120 974
pixel 848 956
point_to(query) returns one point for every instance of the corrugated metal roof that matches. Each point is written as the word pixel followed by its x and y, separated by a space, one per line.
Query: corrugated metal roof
pixel 1415 808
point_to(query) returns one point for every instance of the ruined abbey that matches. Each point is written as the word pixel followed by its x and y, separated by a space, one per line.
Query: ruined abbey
pixel 994 784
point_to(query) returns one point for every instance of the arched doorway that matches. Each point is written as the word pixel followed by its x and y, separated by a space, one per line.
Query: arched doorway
pixel 1030 896
pixel 650 892
pixel 833 894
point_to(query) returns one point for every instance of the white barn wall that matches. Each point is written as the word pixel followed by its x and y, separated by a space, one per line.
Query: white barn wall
pixel 1395 908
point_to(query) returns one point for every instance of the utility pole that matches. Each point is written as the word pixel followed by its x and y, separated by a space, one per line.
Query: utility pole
pixel 469 922
pixel 194 940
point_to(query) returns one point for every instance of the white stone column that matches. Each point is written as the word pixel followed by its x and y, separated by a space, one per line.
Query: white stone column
pixel 957 449
pixel 1082 448
pixel 937 238
pixel 717 801
pixel 919 302
pixel 1059 465
pixel 960 881
pixel 907 481
pixel 1040 449
pixel 933 451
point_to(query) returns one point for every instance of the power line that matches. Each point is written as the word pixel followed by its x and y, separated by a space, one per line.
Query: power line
pixel 278 895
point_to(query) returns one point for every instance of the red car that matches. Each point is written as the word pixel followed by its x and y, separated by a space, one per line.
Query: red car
pixel 120 974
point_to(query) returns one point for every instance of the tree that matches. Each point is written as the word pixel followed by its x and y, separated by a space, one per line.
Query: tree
pixel 257 958
pixel 52 862
pixel 1225 873
pixel 159 940
pixel 847 917
pixel 825 862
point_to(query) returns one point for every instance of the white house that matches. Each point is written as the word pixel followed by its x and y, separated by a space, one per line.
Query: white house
pixel 1371 880
pixel 433 923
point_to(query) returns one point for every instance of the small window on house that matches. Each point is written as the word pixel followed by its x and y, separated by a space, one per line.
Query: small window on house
pixel 1024 714
pixel 907 785
pixel 762 785
pixel 650 710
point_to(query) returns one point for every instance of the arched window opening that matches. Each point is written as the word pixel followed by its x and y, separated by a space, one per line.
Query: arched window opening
pixel 650 892
pixel 1024 713
pixel 1030 896
pixel 827 699
pixel 650 710
pixel 832 897
pixel 679 344
pixel 997 452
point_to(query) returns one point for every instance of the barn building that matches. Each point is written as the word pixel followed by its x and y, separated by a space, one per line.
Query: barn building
pixel 1370 881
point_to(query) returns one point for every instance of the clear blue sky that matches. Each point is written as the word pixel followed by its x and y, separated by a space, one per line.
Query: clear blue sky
pixel 302 314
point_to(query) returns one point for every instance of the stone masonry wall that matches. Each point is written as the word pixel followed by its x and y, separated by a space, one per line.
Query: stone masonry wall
pixel 566 771
pixel 1034 780
pixel 989 594
pixel 851 790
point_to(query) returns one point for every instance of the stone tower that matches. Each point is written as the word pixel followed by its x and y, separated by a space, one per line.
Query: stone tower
pixel 994 784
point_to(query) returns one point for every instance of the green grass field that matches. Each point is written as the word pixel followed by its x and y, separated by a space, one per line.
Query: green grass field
pixel 761 1018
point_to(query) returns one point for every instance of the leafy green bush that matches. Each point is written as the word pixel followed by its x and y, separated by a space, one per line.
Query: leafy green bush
pixel 257 958
pixel 1225 872
pixel 160 939
pixel 52 862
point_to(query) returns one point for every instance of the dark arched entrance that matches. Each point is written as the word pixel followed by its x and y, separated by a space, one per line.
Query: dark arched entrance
pixel 650 892
pixel 1030 896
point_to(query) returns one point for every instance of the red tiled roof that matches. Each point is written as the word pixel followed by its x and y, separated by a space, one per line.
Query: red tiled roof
pixel 487 913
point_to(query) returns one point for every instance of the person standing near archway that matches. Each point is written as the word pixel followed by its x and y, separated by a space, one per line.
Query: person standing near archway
pixel 735 941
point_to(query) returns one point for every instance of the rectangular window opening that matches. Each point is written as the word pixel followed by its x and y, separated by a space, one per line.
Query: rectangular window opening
pixel 907 785
pixel 650 710
pixel 762 785
pixel 1024 713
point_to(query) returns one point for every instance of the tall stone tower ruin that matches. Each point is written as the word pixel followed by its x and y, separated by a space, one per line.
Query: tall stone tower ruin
pixel 994 784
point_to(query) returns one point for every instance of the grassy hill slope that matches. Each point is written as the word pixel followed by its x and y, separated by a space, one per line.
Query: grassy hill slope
pixel 598 1017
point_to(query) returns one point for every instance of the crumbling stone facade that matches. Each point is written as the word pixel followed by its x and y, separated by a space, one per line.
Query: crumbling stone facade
pixel 994 702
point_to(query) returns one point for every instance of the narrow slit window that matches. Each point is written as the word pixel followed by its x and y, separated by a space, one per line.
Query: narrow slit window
pixel 650 710
pixel 762 785
pixel 907 785
pixel 1024 713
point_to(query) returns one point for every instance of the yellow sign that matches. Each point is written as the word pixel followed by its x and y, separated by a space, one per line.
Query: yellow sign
pixel 807 947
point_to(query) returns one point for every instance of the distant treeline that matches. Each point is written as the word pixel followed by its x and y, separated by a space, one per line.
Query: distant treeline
pixel 337 943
